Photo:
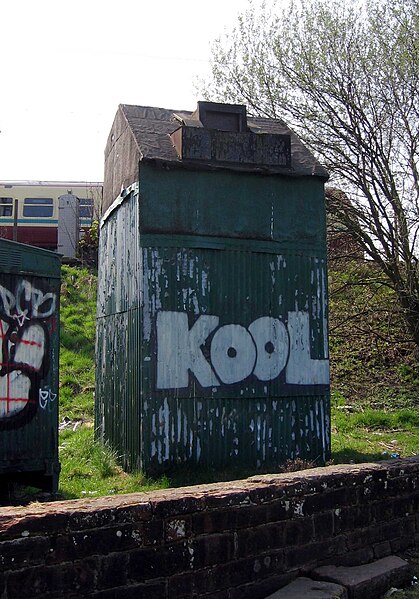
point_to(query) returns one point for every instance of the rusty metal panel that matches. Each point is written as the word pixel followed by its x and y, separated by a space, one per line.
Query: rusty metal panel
pixel 29 331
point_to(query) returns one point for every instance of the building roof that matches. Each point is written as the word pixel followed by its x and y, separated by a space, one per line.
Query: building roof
pixel 152 129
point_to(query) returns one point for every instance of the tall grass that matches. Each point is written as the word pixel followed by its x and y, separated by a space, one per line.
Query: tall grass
pixel 77 340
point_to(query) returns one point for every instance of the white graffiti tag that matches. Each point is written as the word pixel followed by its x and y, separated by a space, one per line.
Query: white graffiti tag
pixel 265 348
pixel 24 339
pixel 27 302
pixel 46 398
pixel 14 393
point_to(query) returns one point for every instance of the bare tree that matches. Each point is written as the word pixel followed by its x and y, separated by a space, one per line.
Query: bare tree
pixel 345 77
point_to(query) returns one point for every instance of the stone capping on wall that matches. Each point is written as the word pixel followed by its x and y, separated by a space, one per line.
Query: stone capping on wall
pixel 227 540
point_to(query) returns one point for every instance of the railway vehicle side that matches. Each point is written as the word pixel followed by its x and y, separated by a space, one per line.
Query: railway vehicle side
pixel 29 210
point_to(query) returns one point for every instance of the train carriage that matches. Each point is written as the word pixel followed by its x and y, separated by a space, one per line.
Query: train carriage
pixel 29 210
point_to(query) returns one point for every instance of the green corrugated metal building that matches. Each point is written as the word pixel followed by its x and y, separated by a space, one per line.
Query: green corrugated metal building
pixel 29 330
pixel 212 305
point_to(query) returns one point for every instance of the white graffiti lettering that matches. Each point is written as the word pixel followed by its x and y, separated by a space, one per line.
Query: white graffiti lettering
pixel 272 343
pixel 264 349
pixel 233 353
pixel 27 302
pixel 182 350
pixel 24 338
pixel 46 397
pixel 301 368
pixel 14 393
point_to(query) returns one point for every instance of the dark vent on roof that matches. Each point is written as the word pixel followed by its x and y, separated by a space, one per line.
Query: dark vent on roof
pixel 223 117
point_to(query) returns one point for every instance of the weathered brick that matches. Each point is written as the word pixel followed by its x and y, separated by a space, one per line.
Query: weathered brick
pixel 177 528
pixel 260 539
pixel 399 485
pixel 82 520
pixel 396 528
pixel 153 532
pixel 253 515
pixel 177 506
pixel 227 500
pixel 350 518
pixel 362 537
pixel 355 557
pixel 29 525
pixel 112 571
pixel 216 541
pixel 182 585
pixel 220 577
pixel 61 580
pixel 158 562
pixel 217 595
pixel 278 510
pixel 324 526
pixel 329 500
pixel 212 549
pixel 382 510
pixel 267 565
pixel 299 532
pixel 409 504
pixel 382 549
pixel 265 494
pixel 99 541
pixel 23 552
pixel 401 543
pixel 138 512
pixel 310 554
pixel 214 521
pixel 152 590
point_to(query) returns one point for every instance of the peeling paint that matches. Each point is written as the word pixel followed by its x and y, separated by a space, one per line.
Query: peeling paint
pixel 233 351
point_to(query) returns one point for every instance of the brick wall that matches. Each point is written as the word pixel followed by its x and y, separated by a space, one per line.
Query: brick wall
pixel 230 540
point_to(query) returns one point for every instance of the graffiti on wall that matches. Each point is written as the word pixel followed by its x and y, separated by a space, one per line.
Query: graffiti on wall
pixel 27 318
pixel 265 349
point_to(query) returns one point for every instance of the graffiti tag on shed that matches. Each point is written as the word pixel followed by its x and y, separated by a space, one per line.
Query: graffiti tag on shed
pixel 26 319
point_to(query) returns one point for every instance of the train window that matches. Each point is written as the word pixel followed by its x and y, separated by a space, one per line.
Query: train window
pixel 6 206
pixel 86 208
pixel 38 207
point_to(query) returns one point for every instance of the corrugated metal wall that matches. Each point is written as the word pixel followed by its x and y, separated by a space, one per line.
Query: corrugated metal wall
pixel 210 350
pixel 29 330
pixel 118 341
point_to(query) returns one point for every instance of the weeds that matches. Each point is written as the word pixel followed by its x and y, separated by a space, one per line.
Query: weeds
pixel 90 468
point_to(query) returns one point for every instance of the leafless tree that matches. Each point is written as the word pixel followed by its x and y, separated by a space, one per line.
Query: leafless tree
pixel 345 77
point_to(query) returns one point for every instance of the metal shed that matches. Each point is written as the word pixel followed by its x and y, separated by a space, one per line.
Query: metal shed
pixel 212 305
pixel 29 330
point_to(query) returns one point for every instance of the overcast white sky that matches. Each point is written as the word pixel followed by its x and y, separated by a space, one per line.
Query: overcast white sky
pixel 65 67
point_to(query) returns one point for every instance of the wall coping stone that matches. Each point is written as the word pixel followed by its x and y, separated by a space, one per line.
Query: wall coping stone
pixel 252 490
